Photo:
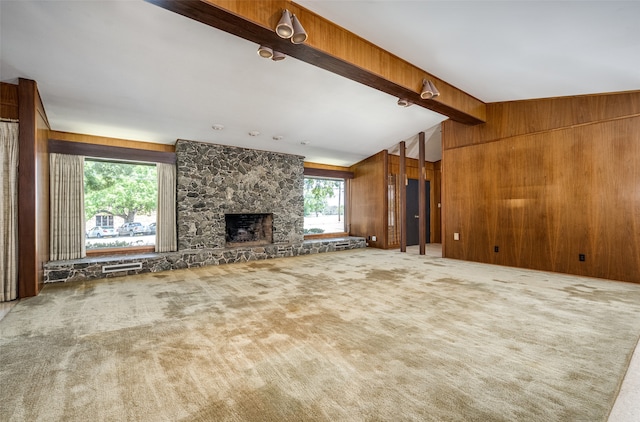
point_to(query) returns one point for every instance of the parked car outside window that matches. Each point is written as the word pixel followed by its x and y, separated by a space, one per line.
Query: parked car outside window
pixel 131 229
pixel 100 231
pixel 151 228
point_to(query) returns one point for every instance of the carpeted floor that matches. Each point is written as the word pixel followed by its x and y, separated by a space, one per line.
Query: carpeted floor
pixel 348 336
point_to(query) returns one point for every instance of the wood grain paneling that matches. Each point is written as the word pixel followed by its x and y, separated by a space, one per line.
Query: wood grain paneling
pixel 33 190
pixel 412 167
pixel 332 48
pixel 335 174
pixel 8 101
pixel 514 118
pixel 433 176
pixel 545 198
pixel 113 142
pixel 368 199
pixel 310 165
pixel 110 152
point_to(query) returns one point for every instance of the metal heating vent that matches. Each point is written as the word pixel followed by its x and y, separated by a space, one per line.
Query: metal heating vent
pixel 122 267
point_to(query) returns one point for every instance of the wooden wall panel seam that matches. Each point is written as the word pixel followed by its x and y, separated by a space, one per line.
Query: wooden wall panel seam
pixel 542 132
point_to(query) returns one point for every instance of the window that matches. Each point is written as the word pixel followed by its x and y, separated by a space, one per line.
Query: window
pixel 324 205
pixel 104 220
pixel 120 200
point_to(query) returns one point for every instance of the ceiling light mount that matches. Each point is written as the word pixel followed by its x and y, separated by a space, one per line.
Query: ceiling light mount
pixel 404 102
pixel 217 127
pixel 429 90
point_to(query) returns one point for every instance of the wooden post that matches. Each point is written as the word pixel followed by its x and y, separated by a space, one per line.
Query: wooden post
pixel 402 198
pixel 422 195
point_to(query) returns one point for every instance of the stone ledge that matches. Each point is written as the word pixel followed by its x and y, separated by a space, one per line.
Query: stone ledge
pixel 91 268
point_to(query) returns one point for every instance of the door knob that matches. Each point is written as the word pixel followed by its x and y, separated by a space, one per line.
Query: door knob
pixel 416 216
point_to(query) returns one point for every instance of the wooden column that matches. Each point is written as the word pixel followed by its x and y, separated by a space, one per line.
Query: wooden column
pixel 422 195
pixel 402 197
pixel 27 260
pixel 33 189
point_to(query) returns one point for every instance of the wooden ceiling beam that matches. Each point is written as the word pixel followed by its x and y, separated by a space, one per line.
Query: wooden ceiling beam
pixel 331 48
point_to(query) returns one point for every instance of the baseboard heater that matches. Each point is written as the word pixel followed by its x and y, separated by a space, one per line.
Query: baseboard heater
pixel 122 267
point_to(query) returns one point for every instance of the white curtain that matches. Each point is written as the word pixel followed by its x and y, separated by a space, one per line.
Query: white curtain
pixel 67 207
pixel 9 211
pixel 166 239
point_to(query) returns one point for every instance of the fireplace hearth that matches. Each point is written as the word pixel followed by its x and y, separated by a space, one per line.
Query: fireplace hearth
pixel 248 229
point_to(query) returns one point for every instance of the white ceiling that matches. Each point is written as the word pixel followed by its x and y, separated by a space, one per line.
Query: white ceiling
pixel 132 70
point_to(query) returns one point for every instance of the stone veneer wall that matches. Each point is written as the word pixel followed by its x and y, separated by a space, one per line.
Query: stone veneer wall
pixel 91 268
pixel 214 180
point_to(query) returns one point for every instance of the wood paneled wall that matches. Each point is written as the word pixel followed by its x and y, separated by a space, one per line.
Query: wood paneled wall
pixel 113 142
pixel 310 165
pixel 508 119
pixel 33 190
pixel 432 174
pixel 8 101
pixel 546 181
pixel 368 199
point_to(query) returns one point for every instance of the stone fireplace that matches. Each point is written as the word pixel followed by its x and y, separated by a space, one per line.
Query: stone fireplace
pixel 261 190
pixel 217 181
pixel 248 229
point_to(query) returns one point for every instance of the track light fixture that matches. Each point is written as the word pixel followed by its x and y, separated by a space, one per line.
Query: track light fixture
pixel 404 103
pixel 429 90
pixel 284 29
pixel 435 91
pixel 265 52
pixel 299 34
pixel 269 53
pixel 289 27
pixel 277 56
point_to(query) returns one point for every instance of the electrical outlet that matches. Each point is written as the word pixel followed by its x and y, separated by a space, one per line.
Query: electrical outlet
pixel 456 236
pixel 496 248
pixel 582 257
pixel 373 238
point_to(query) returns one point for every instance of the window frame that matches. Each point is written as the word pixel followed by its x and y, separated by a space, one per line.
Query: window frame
pixel 113 154
pixel 328 174
pixel 101 217
pixel 125 249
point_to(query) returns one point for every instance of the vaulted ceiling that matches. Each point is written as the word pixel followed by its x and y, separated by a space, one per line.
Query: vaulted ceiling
pixel 130 69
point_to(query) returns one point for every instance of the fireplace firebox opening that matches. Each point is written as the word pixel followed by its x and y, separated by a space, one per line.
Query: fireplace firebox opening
pixel 248 229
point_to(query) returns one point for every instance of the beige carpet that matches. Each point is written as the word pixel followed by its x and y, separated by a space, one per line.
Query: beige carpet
pixel 349 336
